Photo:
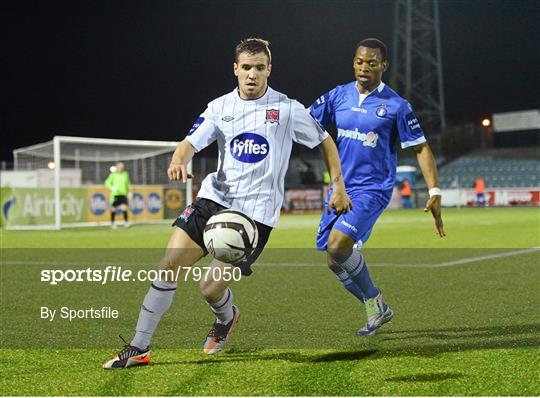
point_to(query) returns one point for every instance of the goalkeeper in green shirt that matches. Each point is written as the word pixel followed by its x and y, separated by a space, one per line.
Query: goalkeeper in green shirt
pixel 119 184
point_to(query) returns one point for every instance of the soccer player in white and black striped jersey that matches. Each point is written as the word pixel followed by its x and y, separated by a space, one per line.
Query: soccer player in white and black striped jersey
pixel 255 127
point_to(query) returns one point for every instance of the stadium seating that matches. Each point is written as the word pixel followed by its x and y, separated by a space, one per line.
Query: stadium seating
pixel 509 167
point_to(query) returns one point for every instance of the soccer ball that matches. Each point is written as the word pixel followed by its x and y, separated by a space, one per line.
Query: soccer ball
pixel 230 236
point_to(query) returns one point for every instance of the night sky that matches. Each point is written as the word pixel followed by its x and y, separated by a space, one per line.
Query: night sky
pixel 146 70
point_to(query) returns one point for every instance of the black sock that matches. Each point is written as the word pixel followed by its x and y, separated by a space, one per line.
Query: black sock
pixel 125 216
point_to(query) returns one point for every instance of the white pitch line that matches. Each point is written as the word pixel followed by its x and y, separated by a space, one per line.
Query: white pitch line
pixel 322 264
pixel 461 261
pixel 467 260
pixel 484 258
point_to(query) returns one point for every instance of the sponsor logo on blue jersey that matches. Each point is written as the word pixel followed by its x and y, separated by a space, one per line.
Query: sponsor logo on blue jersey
pixel 370 139
pixel 412 121
pixel 249 147
pixel 137 203
pixel 357 109
pixel 196 125
pixel 350 226
pixel 98 204
pixel 154 203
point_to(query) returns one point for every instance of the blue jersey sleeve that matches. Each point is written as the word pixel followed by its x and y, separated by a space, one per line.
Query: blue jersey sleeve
pixel 410 132
pixel 323 111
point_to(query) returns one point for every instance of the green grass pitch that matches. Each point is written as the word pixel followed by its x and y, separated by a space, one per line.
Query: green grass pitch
pixel 467 314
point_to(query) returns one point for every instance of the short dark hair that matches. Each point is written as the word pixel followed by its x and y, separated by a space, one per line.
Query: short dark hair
pixel 373 43
pixel 253 45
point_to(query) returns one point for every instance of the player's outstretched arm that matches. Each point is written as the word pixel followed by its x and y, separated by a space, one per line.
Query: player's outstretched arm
pixel 339 199
pixel 182 155
pixel 428 166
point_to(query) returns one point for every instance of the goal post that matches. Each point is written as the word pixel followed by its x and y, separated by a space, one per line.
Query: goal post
pixel 60 183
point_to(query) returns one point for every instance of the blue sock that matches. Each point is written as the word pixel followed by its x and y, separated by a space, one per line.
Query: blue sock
pixel 348 284
pixel 356 267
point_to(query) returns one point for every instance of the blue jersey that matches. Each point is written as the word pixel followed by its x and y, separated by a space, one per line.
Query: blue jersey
pixel 368 128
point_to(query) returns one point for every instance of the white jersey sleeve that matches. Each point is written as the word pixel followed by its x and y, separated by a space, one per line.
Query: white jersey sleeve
pixel 306 130
pixel 204 131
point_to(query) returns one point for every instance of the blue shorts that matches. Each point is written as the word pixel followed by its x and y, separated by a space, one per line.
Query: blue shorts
pixel 357 223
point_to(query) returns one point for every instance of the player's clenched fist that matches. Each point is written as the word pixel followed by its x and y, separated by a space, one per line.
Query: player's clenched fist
pixel 177 172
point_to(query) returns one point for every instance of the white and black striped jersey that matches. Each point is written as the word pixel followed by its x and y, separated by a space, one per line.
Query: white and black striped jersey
pixel 255 139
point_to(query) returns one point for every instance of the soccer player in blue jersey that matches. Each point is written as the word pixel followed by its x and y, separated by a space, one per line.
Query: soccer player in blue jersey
pixel 370 119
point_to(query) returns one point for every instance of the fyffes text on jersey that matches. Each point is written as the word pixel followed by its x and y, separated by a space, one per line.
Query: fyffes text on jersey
pixel 249 147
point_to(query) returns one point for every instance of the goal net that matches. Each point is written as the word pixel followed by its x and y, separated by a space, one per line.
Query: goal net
pixel 60 183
